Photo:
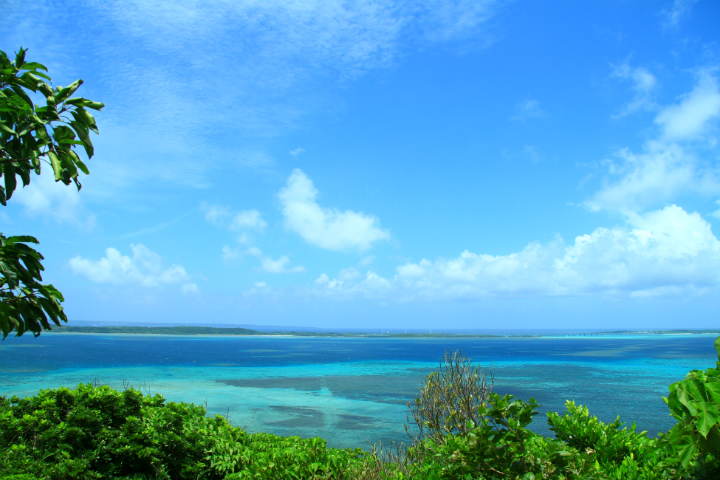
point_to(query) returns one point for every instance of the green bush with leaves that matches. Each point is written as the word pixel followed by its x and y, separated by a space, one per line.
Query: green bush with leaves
pixel 501 446
pixel 96 432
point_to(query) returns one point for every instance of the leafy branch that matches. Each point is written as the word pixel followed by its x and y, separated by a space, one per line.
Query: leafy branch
pixel 29 136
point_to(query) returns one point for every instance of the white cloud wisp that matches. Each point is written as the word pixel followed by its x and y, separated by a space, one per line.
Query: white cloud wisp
pixel 670 165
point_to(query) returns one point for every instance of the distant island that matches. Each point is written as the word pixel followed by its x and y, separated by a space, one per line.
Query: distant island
pixel 186 330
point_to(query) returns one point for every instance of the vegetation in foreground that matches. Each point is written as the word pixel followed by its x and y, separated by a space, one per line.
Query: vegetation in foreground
pixel 460 430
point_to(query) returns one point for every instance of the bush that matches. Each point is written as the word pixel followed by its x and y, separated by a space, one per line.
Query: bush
pixel 449 399
pixel 97 432
pixel 694 402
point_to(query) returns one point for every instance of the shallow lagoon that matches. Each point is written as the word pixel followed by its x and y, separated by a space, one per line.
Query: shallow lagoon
pixel 351 390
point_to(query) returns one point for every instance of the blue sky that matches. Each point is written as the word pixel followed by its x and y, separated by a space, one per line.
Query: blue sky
pixel 369 164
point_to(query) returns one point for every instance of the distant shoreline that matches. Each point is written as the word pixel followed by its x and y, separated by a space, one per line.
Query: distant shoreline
pixel 246 332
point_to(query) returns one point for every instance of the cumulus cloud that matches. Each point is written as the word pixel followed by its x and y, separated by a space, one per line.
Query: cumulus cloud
pixel 663 251
pixel 324 227
pixel 690 118
pixel 528 109
pixel 46 197
pixel 144 267
pixel 297 151
pixel 643 84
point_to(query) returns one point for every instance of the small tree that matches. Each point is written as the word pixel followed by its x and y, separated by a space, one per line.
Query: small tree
pixel 450 399
pixel 31 135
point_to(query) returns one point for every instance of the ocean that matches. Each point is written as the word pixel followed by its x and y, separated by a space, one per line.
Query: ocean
pixel 353 391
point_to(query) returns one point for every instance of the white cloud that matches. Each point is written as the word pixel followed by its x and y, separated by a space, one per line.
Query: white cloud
pixel 528 109
pixel 242 220
pixel 644 84
pixel 267 264
pixel 159 64
pixel 46 197
pixel 660 252
pixel 661 173
pixel 215 214
pixel 669 166
pixel 690 118
pixel 247 219
pixel 366 260
pixel 677 11
pixel 297 151
pixel 324 227
pixel 190 288
pixel 716 213
pixel 145 268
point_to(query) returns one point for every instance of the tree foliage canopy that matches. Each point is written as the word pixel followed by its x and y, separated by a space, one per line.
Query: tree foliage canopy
pixel 31 135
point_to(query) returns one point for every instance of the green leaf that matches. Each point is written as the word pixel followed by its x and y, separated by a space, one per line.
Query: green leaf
pixel 33 66
pixel 64 93
pixel 56 165
pixel 22 238
pixel 7 129
pixel 713 391
pixel 20 57
pixel 10 181
pixel 707 417
pixel 82 133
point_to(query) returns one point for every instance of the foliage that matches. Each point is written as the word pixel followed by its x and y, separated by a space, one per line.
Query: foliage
pixel 618 453
pixel 30 135
pixel 25 303
pixel 449 399
pixel 97 432
pixel 694 402
pixel 501 446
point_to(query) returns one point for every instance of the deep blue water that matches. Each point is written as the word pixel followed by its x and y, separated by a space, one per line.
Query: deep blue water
pixel 348 390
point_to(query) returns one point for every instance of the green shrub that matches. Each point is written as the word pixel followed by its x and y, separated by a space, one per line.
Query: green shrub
pixel 502 447
pixel 97 432
pixel 694 402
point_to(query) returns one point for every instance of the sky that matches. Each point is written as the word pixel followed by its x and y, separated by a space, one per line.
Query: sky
pixel 480 164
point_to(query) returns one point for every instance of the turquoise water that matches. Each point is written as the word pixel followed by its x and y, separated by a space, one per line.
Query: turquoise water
pixel 354 390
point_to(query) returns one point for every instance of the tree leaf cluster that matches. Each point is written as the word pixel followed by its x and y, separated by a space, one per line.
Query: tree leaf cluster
pixel 25 303
pixel 694 402
pixel 31 135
